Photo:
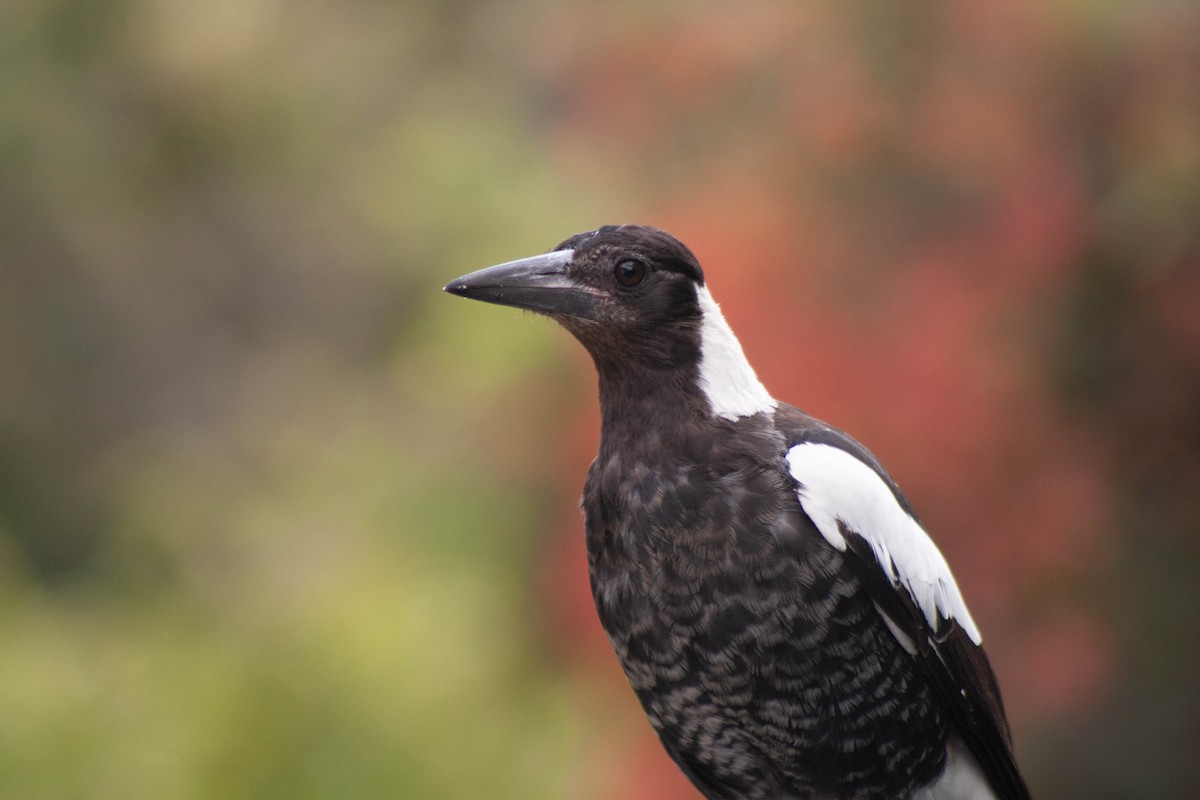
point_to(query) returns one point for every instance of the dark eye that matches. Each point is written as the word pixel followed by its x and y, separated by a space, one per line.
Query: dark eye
pixel 630 273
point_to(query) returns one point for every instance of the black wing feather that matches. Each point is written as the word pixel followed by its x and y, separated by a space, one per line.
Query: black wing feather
pixel 958 669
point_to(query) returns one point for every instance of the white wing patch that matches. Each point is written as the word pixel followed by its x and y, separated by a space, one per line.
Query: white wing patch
pixel 834 487
pixel 726 377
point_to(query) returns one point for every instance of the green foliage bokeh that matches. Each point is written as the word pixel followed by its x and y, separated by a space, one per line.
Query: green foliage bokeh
pixel 252 543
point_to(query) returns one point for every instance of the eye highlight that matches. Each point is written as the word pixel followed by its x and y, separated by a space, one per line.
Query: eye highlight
pixel 630 272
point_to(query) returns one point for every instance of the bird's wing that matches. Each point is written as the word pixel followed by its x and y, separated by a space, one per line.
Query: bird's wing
pixel 859 510
pixel 845 498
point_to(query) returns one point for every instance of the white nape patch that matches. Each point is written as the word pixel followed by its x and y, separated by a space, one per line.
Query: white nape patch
pixel 962 779
pixel 726 377
pixel 835 487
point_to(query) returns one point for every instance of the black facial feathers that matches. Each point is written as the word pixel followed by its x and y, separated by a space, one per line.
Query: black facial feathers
pixel 654 246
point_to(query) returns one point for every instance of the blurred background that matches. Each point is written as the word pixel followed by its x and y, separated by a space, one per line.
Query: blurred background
pixel 278 519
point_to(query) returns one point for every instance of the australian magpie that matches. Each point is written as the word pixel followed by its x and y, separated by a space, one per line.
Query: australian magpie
pixel 788 626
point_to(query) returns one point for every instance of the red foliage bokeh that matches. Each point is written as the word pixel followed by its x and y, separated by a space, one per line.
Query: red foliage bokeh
pixel 903 228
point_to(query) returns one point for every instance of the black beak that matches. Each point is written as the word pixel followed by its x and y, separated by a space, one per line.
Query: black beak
pixel 538 283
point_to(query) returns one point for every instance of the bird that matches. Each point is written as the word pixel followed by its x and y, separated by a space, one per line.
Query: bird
pixel 787 624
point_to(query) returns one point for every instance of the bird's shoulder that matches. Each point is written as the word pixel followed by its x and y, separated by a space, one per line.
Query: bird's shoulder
pixel 859 509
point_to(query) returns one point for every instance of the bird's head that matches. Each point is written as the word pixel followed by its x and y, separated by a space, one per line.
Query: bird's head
pixel 629 293
pixel 635 297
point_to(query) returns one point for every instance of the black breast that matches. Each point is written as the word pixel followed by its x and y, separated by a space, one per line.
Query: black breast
pixel 760 662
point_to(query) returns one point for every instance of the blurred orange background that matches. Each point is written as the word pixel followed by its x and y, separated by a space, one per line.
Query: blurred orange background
pixel 279 519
